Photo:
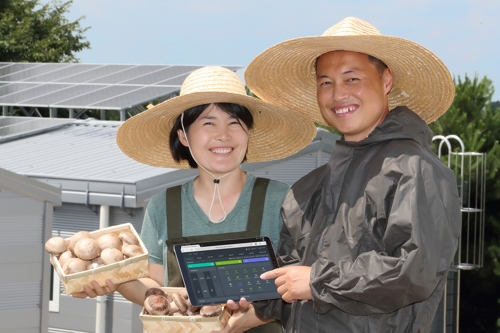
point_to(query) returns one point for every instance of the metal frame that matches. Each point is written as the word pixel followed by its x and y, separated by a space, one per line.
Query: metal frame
pixel 470 169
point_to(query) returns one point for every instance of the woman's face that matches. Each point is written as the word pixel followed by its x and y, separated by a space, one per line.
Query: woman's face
pixel 218 141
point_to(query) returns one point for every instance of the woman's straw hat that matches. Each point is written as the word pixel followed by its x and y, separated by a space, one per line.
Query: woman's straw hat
pixel 277 132
pixel 284 74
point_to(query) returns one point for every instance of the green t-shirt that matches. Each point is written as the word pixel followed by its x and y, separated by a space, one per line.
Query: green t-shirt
pixel 196 222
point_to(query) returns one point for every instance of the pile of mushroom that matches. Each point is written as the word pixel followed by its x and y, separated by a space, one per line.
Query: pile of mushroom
pixel 161 303
pixel 83 251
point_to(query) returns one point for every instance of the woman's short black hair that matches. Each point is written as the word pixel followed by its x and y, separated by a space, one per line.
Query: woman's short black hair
pixel 179 151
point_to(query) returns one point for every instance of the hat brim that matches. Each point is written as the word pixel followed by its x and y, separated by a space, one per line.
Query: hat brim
pixel 284 73
pixel 277 132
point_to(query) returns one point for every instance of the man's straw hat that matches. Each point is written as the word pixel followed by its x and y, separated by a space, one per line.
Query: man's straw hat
pixel 284 74
pixel 277 132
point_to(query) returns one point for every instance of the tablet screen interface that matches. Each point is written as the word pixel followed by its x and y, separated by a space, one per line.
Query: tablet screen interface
pixel 214 272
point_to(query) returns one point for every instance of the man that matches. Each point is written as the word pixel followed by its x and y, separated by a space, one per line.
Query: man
pixel 369 237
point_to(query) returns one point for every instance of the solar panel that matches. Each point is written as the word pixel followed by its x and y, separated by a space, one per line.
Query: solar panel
pixel 130 99
pixel 89 86
pixel 85 101
pixel 161 75
pixel 61 73
pixel 68 92
pixel 94 73
pixel 37 90
pixel 4 64
pixel 15 67
pixel 175 81
pixel 29 72
pixel 14 127
pixel 9 89
pixel 127 74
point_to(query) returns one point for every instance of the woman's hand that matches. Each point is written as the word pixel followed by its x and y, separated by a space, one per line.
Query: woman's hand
pixel 94 289
pixel 243 317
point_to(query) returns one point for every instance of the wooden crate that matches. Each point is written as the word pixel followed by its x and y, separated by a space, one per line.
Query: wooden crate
pixel 119 272
pixel 170 324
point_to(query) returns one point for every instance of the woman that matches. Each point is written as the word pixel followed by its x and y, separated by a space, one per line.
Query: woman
pixel 212 126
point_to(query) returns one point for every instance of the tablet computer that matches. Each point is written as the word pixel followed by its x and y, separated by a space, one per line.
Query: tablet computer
pixel 214 272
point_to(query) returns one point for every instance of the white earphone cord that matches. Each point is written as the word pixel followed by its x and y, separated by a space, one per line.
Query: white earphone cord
pixel 216 180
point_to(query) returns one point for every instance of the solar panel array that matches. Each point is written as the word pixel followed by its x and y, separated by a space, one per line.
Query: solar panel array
pixel 88 86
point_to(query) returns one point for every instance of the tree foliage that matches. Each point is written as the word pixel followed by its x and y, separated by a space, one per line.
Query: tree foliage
pixel 32 32
pixel 476 119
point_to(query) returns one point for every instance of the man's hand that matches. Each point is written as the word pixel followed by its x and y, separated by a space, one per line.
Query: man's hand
pixel 292 281
pixel 95 290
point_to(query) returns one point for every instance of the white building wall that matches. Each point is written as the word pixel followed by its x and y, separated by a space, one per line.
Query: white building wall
pixel 21 259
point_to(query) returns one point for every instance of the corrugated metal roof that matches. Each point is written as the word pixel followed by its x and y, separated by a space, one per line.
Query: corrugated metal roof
pixel 81 150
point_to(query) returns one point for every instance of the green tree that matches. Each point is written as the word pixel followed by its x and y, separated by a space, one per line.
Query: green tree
pixel 32 32
pixel 476 119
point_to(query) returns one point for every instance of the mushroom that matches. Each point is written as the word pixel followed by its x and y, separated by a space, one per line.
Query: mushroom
pixel 178 313
pixel 55 245
pixel 156 305
pixel 86 249
pixel 184 293
pixel 65 256
pixel 132 251
pixel 180 302
pixel 109 241
pixel 76 237
pixel 154 291
pixel 97 261
pixel 128 238
pixel 93 265
pixel 191 310
pixel 110 256
pixel 74 265
pixel 211 310
pixel 173 308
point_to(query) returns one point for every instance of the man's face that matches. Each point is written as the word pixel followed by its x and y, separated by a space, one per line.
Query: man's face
pixel 351 93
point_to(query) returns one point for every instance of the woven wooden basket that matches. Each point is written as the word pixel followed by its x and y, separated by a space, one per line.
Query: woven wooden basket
pixel 119 272
pixel 170 324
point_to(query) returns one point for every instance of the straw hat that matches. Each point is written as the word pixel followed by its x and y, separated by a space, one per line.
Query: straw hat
pixel 277 132
pixel 284 74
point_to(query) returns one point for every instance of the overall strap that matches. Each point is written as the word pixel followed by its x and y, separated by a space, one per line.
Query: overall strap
pixel 257 205
pixel 174 212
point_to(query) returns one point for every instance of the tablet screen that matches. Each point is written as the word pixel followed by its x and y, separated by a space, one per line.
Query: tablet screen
pixel 214 272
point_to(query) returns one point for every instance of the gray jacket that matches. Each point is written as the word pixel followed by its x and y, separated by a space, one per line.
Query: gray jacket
pixel 378 224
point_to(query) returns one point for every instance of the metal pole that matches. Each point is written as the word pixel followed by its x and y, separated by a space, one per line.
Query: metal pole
pixel 318 159
pixel 458 302
pixel 100 316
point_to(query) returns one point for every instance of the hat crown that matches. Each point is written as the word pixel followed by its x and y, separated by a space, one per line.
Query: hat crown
pixel 212 79
pixel 352 26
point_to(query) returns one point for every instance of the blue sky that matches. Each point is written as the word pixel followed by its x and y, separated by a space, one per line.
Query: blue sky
pixel 464 34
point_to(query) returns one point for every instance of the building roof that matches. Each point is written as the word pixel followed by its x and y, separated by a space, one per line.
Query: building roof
pixel 82 157
pixel 28 187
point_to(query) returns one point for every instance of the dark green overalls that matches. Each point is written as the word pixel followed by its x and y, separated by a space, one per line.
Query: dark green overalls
pixel 174 230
